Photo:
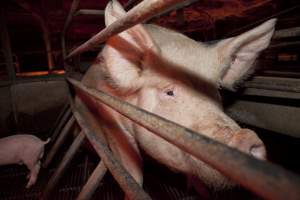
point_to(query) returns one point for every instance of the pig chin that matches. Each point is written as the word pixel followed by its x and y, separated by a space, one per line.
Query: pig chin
pixel 213 179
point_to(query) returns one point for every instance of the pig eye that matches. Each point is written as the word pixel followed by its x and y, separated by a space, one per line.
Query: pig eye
pixel 170 92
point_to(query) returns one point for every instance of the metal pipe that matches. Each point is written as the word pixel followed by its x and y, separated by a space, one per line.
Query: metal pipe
pixel 89 12
pixel 46 33
pixel 74 6
pixel 263 178
pixel 93 132
pixel 274 83
pixel 61 120
pixel 63 165
pixel 286 33
pixel 61 138
pixel 93 182
pixel 143 11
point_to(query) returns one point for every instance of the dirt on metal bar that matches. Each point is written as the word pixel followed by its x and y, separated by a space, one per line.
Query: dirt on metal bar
pixel 265 179
pixel 141 12
pixel 94 133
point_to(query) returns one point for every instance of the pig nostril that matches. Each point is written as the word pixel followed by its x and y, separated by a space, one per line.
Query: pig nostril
pixel 258 151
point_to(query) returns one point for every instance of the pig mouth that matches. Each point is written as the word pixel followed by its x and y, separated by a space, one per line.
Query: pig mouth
pixel 212 178
pixel 243 140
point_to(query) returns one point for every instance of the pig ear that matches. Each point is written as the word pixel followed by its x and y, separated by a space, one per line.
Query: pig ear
pixel 238 54
pixel 125 54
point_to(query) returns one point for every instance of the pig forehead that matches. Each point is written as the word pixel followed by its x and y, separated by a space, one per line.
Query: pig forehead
pixel 185 53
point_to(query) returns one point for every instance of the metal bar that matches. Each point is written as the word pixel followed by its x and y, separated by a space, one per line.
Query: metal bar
pixel 286 33
pixel 265 179
pixel 63 165
pixel 284 45
pixel 143 11
pixel 274 83
pixel 93 182
pixel 46 33
pixel 61 138
pixel 89 12
pixel 93 132
pixel 6 46
pixel 67 115
pixel 74 6
pixel 279 118
pixel 60 121
pixel 175 8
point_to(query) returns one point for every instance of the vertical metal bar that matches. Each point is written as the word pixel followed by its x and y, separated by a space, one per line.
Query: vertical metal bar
pixel 93 132
pixel 61 138
pixel 44 28
pixel 263 178
pixel 74 6
pixel 63 165
pixel 6 46
pixel 93 182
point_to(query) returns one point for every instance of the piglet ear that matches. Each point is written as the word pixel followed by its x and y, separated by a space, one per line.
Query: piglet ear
pixel 239 53
pixel 126 54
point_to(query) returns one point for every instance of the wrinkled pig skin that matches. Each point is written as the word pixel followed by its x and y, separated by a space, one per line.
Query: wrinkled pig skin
pixel 23 149
pixel 166 73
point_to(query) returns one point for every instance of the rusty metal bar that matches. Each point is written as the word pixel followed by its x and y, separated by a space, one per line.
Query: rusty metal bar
pixel 141 12
pixel 46 33
pixel 93 132
pixel 175 8
pixel 265 179
pixel 92 184
pixel 89 12
pixel 61 138
pixel 74 6
pixel 63 165
pixel 286 33
pixel 61 121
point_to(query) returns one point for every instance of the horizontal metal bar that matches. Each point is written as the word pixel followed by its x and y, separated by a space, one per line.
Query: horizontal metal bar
pixel 89 12
pixel 283 45
pixel 94 134
pixel 274 83
pixel 286 33
pixel 279 118
pixel 265 179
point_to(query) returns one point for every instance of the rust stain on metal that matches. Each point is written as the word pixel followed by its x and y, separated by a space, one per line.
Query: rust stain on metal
pixel 143 11
pixel 93 132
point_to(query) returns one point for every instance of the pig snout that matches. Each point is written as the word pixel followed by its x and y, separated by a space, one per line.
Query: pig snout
pixel 248 142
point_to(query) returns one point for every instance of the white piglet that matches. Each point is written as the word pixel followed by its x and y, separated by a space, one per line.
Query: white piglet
pixel 23 149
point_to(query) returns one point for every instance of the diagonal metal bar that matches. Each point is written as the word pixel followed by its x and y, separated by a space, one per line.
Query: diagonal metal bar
pixel 265 179
pixel 59 141
pixel 140 13
pixel 92 184
pixel 63 165
pixel 93 132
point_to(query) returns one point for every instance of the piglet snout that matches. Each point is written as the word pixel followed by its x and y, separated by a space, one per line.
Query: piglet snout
pixel 248 142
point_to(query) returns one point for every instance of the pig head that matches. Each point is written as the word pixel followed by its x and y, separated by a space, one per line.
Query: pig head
pixel 177 78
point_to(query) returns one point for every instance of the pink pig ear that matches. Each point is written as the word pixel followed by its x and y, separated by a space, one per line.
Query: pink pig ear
pixel 125 54
pixel 239 53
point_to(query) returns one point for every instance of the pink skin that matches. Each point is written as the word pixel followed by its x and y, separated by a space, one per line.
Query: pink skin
pixel 177 78
pixel 23 149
